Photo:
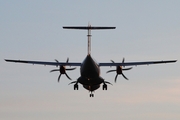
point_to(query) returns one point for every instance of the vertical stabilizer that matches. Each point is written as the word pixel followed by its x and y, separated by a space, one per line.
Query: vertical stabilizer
pixel 89 40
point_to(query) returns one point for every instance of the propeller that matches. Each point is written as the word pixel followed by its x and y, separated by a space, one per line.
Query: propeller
pixel 119 70
pixel 62 69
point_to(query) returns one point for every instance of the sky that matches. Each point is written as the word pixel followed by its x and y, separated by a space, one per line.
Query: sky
pixel 145 30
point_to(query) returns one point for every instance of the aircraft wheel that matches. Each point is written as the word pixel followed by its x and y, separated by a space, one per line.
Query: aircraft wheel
pixel 91 95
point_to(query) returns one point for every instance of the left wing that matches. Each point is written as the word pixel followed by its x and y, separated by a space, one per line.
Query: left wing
pixel 45 63
pixel 136 63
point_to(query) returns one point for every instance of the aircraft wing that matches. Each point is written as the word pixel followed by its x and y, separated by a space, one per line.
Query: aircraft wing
pixel 136 63
pixel 45 63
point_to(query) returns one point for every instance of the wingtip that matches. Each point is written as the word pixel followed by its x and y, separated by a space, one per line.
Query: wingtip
pixel 174 61
pixel 6 60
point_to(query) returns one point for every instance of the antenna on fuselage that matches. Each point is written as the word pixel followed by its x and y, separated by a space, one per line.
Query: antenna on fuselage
pixel 89 28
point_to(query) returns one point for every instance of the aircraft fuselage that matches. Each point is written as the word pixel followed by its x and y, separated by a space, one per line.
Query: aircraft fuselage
pixel 90 74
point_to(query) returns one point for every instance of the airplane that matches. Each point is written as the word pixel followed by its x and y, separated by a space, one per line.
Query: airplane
pixel 89 69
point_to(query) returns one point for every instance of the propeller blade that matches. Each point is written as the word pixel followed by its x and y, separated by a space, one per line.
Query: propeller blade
pixel 124 76
pixel 59 77
pixel 110 71
pixel 57 61
pixel 67 60
pixel 127 68
pixel 72 82
pixel 67 76
pixel 123 60
pixel 71 69
pixel 54 70
pixel 115 77
pixel 112 61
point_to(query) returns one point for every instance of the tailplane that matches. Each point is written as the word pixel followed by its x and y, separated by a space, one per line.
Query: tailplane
pixel 89 28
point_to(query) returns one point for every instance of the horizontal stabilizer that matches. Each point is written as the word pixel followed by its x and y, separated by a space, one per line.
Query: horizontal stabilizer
pixel 88 27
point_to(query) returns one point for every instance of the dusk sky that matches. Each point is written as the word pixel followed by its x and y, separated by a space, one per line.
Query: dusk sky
pixel 145 30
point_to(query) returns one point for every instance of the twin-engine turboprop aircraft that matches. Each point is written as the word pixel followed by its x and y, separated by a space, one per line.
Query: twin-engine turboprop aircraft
pixel 89 69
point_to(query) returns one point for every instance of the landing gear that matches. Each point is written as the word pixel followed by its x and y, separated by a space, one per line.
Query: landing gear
pixel 91 95
pixel 76 87
pixel 104 87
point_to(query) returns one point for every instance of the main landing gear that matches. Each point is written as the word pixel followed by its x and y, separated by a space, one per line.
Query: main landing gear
pixel 76 87
pixel 104 87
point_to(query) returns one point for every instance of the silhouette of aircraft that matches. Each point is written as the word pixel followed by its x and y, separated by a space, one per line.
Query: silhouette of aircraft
pixel 89 69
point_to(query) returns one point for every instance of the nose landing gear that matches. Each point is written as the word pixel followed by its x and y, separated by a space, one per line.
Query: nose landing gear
pixel 91 95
